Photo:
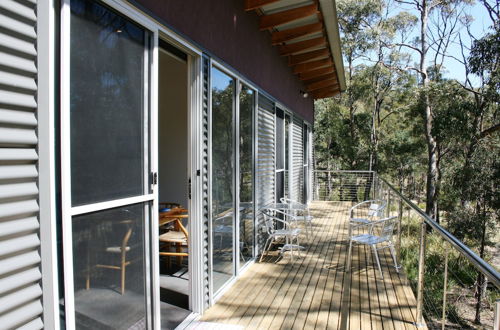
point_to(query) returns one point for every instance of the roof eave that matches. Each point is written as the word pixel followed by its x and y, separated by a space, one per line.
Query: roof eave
pixel 329 12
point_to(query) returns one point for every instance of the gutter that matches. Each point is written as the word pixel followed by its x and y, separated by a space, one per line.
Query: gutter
pixel 329 11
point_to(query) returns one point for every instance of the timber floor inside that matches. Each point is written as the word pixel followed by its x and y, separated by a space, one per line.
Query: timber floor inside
pixel 315 291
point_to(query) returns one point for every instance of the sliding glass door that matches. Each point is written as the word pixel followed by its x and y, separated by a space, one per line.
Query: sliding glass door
pixel 246 178
pixel 223 202
pixel 232 179
pixel 106 168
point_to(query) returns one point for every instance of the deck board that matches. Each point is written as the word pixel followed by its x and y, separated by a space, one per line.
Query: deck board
pixel 315 291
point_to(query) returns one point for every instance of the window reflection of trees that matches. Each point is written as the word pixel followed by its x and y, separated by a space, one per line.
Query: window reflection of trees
pixel 246 100
pixel 222 144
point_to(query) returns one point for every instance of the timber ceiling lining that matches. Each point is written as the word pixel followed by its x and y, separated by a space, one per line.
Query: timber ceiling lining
pixel 298 30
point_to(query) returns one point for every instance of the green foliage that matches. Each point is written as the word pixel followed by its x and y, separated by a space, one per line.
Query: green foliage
pixel 379 123
pixel 335 146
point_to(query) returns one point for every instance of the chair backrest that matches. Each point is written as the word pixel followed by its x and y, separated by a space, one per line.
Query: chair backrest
pixel 292 202
pixel 268 222
pixel 387 228
pixel 376 209
pixel 296 206
pixel 126 238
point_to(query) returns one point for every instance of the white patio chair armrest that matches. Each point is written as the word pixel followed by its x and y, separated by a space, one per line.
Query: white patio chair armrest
pixel 284 213
pixel 360 220
pixel 274 217
pixel 361 224
pixel 377 222
pixel 383 203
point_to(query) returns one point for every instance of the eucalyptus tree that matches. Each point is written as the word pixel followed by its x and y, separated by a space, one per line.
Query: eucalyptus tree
pixel 477 177
pixel 357 19
pixel 438 26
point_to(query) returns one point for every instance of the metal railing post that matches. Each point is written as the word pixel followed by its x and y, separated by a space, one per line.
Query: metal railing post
pixel 496 323
pixel 388 203
pixel 421 274
pixel 400 220
pixel 445 288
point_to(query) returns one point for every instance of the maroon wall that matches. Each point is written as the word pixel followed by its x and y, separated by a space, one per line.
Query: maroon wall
pixel 226 31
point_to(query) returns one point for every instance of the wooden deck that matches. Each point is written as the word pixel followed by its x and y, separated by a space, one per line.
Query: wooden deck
pixel 314 291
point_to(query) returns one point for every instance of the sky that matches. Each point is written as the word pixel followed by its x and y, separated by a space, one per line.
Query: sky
pixel 479 27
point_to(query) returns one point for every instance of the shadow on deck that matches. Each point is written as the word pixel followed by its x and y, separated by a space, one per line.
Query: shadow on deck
pixel 314 291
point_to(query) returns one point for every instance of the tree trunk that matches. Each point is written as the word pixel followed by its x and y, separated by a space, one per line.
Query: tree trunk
pixel 432 150
pixel 352 129
pixel 480 282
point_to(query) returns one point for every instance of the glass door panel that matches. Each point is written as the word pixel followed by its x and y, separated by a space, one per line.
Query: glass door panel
pixel 110 152
pixel 223 91
pixel 287 156
pixel 109 268
pixel 280 154
pixel 246 214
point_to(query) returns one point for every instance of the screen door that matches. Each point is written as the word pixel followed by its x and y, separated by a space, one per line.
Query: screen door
pixel 107 175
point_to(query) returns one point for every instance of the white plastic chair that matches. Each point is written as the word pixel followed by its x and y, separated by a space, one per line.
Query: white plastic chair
pixel 288 235
pixel 380 233
pixel 300 212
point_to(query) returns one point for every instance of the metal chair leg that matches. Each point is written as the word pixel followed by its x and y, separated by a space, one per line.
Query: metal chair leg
pixel 378 261
pixel 263 250
pixel 349 256
pixel 393 253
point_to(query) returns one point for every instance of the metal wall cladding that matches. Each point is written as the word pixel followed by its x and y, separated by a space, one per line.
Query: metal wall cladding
pixel 204 174
pixel 20 287
pixel 266 159
pixel 297 170
pixel 228 32
pixel 310 163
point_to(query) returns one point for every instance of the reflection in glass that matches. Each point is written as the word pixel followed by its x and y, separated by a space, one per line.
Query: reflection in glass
pixel 222 178
pixel 305 159
pixel 287 155
pixel 246 175
pixel 280 154
pixel 109 282
pixel 106 104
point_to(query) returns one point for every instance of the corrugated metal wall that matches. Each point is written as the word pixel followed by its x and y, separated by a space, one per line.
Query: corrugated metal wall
pixel 20 288
pixel 206 188
pixel 310 163
pixel 297 164
pixel 266 160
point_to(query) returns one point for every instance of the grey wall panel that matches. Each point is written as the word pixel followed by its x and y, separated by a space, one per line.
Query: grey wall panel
pixel 232 35
pixel 266 161
pixel 20 287
pixel 310 163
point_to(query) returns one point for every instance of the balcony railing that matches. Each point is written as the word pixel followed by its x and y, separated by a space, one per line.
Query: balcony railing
pixel 455 288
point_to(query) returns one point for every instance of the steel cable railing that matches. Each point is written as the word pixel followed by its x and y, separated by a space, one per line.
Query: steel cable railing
pixel 455 288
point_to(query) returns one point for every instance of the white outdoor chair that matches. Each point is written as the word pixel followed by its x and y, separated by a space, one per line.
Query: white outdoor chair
pixel 300 212
pixel 287 235
pixel 365 213
pixel 379 237
pixel 223 228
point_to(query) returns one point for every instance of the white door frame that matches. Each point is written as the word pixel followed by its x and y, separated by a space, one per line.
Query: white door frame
pixel 196 288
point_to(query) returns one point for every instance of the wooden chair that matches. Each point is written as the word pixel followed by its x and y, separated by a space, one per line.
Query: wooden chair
pixel 177 236
pixel 120 250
